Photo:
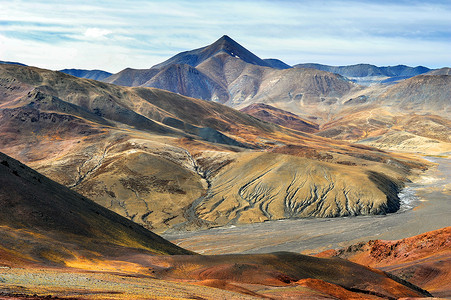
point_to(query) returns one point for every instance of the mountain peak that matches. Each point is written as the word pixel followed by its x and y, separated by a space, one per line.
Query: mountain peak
pixel 225 37
pixel 224 44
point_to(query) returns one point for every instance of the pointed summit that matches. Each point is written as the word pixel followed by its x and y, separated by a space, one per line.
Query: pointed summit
pixel 225 44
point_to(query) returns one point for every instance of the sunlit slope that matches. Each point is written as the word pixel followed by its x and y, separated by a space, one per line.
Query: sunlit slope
pixel 265 186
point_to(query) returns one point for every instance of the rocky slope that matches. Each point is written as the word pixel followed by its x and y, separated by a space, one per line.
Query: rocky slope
pixel 423 260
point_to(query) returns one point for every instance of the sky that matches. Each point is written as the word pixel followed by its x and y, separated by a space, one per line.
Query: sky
pixel 115 34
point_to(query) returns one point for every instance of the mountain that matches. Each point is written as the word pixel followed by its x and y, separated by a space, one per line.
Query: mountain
pixel 409 116
pixel 423 259
pixel 89 74
pixel 369 74
pixel 280 117
pixel 226 72
pixel 167 161
pixel 224 45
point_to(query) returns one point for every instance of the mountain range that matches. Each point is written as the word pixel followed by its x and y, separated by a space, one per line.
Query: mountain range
pixel 167 161
pixel 226 72
pixel 367 74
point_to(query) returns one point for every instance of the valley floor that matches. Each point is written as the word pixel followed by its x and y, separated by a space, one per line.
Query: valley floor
pixel 427 207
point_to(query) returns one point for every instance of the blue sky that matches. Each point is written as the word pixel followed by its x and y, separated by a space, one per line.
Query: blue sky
pixel 112 35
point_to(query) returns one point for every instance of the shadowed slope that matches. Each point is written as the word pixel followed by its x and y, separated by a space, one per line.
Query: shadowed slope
pixel 44 221
pixel 186 80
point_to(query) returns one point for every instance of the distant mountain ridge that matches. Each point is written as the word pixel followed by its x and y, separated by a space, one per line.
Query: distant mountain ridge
pixel 11 63
pixel 88 74
pixel 358 72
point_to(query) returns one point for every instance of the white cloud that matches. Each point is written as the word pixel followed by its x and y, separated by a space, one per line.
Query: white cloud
pixel 96 33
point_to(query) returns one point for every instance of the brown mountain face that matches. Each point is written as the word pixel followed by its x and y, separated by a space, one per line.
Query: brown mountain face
pixel 228 73
pixel 423 260
pixel 410 116
pixel 281 117
pixel 168 161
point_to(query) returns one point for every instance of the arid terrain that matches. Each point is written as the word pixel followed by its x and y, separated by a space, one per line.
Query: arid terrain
pixel 103 255
pixel 168 161
pixel 218 175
